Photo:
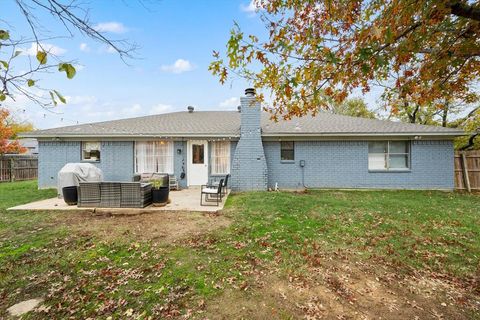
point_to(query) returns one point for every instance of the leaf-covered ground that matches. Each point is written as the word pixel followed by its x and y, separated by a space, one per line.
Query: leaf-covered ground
pixel 314 255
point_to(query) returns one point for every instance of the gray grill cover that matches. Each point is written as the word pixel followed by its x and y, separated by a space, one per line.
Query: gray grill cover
pixel 73 173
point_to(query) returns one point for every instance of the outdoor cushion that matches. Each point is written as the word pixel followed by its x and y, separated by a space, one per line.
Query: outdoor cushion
pixel 146 176
pixel 210 190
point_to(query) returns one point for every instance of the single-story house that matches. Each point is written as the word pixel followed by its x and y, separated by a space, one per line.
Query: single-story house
pixel 324 151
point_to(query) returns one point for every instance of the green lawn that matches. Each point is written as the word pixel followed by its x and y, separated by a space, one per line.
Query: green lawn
pixel 81 273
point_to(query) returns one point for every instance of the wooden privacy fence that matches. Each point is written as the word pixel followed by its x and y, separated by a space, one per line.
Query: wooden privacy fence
pixel 467 170
pixel 18 168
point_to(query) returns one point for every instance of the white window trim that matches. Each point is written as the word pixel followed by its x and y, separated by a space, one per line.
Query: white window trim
pixel 170 170
pixel 213 158
pixel 388 154
pixel 83 149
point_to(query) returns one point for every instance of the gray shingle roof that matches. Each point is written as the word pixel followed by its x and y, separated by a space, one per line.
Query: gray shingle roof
pixel 227 123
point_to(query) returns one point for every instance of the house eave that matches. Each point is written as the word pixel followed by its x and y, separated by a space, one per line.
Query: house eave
pixel 364 135
pixel 265 136
pixel 125 136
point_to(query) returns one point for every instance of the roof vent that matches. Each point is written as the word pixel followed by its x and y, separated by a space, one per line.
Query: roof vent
pixel 190 109
pixel 239 108
pixel 250 92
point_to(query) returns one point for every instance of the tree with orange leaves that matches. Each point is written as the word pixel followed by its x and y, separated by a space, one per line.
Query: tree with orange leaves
pixel 422 52
pixel 6 133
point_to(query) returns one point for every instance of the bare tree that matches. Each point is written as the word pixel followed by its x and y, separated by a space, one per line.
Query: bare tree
pixel 72 16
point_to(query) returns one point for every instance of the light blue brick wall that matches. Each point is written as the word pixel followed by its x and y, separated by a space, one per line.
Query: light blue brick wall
pixel 52 156
pixel 329 164
pixel 249 166
pixel 116 160
pixel 344 164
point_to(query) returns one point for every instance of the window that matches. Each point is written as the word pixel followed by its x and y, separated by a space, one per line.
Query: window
pixel 220 157
pixel 91 151
pixel 287 152
pixel 388 155
pixel 154 156
pixel 198 155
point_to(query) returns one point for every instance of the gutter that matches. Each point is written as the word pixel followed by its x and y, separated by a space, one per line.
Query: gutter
pixel 290 135
pixel 364 134
pixel 130 136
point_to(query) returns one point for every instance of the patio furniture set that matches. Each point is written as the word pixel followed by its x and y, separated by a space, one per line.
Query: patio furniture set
pixel 141 192
pixel 114 194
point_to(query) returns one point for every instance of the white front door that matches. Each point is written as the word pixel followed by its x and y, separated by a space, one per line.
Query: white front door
pixel 197 157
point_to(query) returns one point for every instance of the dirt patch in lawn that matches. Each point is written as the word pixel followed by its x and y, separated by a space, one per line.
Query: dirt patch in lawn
pixel 344 290
pixel 157 227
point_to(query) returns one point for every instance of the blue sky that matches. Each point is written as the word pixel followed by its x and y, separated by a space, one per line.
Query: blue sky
pixel 176 40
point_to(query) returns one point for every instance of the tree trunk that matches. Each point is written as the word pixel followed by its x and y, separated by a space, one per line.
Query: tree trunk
pixel 470 142
pixel 413 116
pixel 464 10
pixel 445 115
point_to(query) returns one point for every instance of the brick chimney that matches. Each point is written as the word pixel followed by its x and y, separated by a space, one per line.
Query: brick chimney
pixel 249 167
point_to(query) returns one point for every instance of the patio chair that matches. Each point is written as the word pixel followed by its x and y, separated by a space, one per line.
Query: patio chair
pixel 211 193
pixel 173 183
pixel 224 186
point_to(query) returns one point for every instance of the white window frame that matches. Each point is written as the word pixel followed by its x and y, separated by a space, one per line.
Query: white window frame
pixel 169 157
pixel 213 157
pixel 386 156
pixel 84 143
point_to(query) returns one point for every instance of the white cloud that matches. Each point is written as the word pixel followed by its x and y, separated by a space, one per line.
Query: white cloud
pixel 79 67
pixel 81 100
pixel 101 115
pixel 160 108
pixel 178 66
pixel 230 103
pixel 132 111
pixel 251 8
pixel 113 27
pixel 105 49
pixel 50 48
pixel 84 47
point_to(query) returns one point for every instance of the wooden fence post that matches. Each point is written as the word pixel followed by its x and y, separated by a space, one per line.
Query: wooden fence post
pixel 12 170
pixel 466 179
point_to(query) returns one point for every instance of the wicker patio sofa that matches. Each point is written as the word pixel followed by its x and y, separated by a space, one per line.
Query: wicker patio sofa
pixel 114 194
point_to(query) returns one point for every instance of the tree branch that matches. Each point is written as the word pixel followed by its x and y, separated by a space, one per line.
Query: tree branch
pixel 464 10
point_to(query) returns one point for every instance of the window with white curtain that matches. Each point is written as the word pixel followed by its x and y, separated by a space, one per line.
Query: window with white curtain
pixel 154 156
pixel 389 155
pixel 91 151
pixel 220 157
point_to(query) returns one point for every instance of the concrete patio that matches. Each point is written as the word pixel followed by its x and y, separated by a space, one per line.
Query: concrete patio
pixel 183 200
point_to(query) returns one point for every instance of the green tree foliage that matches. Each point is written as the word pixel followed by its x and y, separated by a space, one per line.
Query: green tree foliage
pixel 471 124
pixel 421 52
pixel 354 107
